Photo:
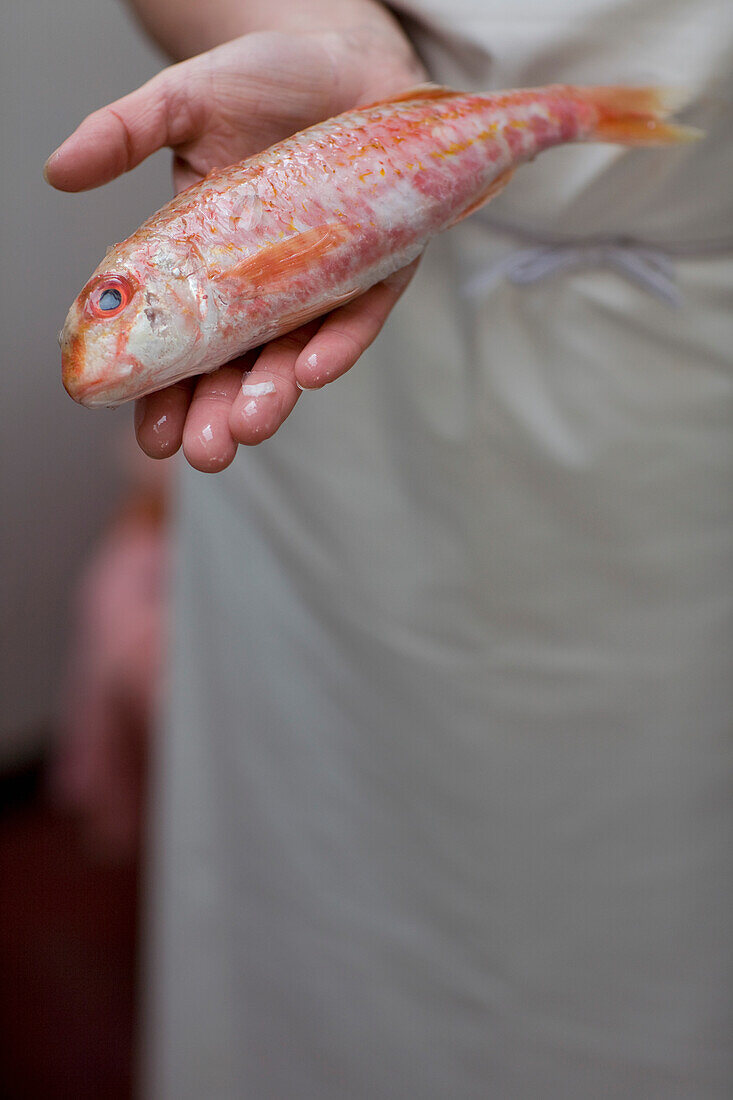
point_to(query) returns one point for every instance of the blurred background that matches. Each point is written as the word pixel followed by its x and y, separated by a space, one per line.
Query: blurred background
pixel 84 546
pixel 79 510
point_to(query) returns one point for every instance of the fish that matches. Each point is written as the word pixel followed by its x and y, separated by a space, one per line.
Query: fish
pixel 256 249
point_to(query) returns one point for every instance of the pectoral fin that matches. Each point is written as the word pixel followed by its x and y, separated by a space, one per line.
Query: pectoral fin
pixel 274 265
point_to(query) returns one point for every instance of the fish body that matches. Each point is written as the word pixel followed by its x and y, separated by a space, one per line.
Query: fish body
pixel 258 248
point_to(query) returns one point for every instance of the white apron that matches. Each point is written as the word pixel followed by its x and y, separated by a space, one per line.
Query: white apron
pixel 445 794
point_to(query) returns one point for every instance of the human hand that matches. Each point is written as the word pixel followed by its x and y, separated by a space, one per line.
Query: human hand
pixel 215 109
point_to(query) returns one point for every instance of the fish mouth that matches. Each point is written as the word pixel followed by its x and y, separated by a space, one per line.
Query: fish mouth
pixel 90 394
pixel 83 386
pixel 94 393
pixel 72 365
pixel 79 386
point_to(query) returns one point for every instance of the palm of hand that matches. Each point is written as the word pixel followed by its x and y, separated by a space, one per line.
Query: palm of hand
pixel 217 109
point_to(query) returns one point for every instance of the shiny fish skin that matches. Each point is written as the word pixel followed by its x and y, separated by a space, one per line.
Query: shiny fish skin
pixel 255 249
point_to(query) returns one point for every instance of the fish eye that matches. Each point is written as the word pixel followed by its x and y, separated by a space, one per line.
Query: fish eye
pixel 110 299
pixel 109 295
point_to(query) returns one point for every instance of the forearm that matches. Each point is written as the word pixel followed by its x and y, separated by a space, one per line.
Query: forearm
pixel 186 27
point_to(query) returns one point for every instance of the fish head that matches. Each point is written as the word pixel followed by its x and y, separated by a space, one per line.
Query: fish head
pixel 139 324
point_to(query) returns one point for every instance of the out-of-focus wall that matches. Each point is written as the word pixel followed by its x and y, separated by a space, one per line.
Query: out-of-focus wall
pixel 59 59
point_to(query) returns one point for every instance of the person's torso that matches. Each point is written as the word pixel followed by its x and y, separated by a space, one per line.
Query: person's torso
pixel 658 195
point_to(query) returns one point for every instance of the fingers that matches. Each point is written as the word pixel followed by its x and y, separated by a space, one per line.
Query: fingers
pixel 208 443
pixel 236 404
pixel 348 331
pixel 170 109
pixel 246 403
pixel 159 419
pixel 269 391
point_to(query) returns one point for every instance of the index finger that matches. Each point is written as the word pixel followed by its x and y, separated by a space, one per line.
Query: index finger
pixel 170 109
pixel 348 331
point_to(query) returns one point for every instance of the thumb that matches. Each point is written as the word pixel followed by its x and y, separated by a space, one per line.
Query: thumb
pixel 170 109
pixel 238 98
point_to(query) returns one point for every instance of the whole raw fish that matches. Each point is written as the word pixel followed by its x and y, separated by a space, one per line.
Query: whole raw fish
pixel 258 248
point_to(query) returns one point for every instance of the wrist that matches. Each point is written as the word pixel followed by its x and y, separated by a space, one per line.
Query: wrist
pixel 183 28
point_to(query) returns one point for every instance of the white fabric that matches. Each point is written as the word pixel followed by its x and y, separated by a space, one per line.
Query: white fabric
pixel 445 789
pixel 650 268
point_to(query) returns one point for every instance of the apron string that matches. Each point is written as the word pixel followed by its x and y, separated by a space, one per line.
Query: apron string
pixel 648 266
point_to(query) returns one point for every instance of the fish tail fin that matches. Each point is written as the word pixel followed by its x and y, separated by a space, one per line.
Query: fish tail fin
pixel 638 116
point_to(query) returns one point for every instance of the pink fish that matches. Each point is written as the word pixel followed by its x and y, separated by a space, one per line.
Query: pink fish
pixel 256 249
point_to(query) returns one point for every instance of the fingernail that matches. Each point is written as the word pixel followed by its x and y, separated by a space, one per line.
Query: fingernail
pixel 139 414
pixel 49 163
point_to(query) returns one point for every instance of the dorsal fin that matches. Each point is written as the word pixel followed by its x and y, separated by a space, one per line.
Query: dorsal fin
pixel 420 91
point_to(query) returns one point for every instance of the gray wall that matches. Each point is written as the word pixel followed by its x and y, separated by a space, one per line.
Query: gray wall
pixel 59 59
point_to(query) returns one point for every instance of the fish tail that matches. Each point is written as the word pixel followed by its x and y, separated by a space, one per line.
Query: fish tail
pixel 637 116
